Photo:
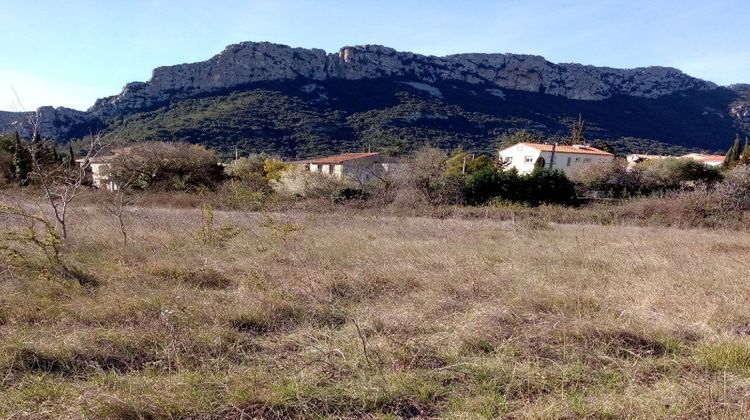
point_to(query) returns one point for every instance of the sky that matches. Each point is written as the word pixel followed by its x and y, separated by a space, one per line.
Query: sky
pixel 69 53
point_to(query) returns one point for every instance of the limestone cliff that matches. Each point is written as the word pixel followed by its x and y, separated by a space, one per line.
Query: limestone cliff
pixel 252 62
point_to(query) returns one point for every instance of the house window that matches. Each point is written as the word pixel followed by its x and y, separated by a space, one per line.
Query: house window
pixel 508 159
pixel 320 168
pixel 330 169
pixel 569 160
pixel 528 159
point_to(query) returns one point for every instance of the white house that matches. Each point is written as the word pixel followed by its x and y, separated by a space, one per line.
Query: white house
pixel 569 159
pixel 360 167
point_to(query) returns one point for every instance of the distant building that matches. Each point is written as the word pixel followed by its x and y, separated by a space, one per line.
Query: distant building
pixel 99 167
pixel 635 158
pixel 569 159
pixel 360 167
pixel 709 160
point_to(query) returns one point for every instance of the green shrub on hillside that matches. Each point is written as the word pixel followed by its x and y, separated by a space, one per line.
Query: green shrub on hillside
pixel 673 173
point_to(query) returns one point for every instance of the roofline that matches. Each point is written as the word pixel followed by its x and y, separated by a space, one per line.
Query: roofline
pixel 531 145
pixel 325 160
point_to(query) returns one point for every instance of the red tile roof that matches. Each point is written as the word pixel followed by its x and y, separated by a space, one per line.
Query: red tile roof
pixel 580 149
pixel 337 159
pixel 707 158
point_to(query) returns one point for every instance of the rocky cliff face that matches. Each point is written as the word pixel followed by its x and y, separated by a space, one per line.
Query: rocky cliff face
pixel 506 87
pixel 60 123
pixel 252 62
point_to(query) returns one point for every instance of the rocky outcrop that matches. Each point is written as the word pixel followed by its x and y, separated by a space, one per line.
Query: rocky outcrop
pixel 252 62
pixel 59 123
pixel 740 109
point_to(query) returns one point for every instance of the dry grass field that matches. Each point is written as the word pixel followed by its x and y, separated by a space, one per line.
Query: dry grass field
pixel 336 315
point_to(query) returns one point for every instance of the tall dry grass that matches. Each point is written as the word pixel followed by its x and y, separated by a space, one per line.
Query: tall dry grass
pixel 348 315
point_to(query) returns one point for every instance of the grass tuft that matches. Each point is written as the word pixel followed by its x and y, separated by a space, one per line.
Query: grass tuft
pixel 725 356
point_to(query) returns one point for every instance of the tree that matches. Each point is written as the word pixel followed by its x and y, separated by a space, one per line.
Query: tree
pixel 274 168
pixel 611 177
pixel 515 137
pixel 673 173
pixel 605 145
pixel 71 158
pixel 21 160
pixel 123 175
pixel 733 154
pixel 744 158
pixel 548 186
pixel 466 163
pixel 60 183
pixel 540 163
pixel 173 166
pixel 577 131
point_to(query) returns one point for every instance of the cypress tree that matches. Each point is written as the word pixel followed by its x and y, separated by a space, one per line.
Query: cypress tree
pixel 736 150
pixel 71 155
pixel 539 164
pixel 733 154
pixel 21 160
pixel 745 155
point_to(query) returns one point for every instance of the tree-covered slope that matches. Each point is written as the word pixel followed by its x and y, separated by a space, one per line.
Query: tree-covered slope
pixel 303 118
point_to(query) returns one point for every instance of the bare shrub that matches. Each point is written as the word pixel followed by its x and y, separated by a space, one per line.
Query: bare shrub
pixel 733 193
pixel 170 166
pixel 612 177
pixel 31 236
pixel 308 185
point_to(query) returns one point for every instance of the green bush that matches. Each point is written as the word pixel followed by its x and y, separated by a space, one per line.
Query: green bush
pixel 547 186
pixel 673 173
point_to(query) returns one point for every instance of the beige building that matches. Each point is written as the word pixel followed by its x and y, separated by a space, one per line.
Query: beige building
pixel 359 167
pixel 569 159
pixel 100 166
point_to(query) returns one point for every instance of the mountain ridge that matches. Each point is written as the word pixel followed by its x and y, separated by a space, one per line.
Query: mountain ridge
pixel 251 62
pixel 505 89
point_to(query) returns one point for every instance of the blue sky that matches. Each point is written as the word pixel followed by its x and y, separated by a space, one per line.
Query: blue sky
pixel 71 52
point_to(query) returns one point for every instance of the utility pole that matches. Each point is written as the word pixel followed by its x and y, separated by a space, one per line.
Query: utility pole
pixel 552 158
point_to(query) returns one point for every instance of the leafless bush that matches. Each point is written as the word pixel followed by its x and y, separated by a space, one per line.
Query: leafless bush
pixel 170 166
pixel 61 181
pixel 612 177
pixel 307 185
pixel 733 193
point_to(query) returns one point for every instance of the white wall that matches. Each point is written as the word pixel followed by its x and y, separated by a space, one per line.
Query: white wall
pixel 571 162
pixel 520 157
pixel 523 157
